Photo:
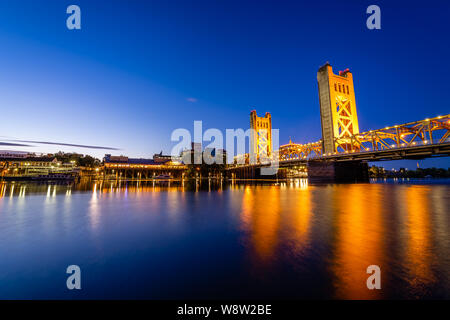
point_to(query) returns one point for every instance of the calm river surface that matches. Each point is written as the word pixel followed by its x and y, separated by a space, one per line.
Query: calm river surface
pixel 161 241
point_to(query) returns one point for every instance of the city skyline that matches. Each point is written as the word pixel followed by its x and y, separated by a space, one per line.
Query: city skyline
pixel 135 72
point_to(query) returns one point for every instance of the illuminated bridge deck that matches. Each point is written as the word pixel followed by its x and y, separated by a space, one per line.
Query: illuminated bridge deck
pixel 412 152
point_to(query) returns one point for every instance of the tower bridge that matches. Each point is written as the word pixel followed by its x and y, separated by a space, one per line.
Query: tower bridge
pixel 343 152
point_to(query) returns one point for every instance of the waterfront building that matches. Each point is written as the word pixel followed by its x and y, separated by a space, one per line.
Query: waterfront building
pixel 209 156
pixel 123 167
pixel 162 158
pixel 30 165
pixel 222 154
pixel 213 155
pixel 193 155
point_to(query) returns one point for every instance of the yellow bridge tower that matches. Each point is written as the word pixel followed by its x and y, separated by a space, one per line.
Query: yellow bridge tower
pixel 261 140
pixel 337 110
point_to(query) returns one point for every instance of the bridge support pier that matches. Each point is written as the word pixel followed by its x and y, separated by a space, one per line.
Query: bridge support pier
pixel 336 172
pixel 254 173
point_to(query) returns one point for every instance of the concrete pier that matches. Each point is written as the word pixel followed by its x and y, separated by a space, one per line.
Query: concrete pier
pixel 335 172
pixel 252 172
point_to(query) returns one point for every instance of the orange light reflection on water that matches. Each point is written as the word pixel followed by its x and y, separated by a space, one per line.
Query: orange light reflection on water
pixel 418 252
pixel 261 218
pixel 358 239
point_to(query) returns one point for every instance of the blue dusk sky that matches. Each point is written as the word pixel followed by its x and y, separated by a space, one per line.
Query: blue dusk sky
pixel 137 69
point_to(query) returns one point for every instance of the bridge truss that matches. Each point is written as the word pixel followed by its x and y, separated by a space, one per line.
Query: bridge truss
pixel 428 132
pixel 295 151
pixel 424 132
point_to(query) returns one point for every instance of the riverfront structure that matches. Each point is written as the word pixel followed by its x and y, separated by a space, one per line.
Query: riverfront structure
pixel 343 152
pixel 337 109
pixel 261 139
pixel 122 167
pixel 21 165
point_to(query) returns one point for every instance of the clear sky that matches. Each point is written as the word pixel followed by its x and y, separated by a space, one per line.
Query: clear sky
pixel 137 70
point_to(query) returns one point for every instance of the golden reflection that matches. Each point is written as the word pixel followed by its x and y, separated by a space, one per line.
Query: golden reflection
pixel 419 255
pixel 247 207
pixel 299 183
pixel 261 218
pixel 22 191
pixel 302 215
pixel 358 211
pixel 2 189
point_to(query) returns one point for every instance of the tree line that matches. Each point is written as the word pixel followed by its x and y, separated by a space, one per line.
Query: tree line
pixel 380 172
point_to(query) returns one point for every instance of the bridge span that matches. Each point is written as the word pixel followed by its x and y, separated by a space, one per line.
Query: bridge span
pixel 343 152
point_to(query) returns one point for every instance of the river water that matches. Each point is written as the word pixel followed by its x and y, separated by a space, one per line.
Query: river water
pixel 160 240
